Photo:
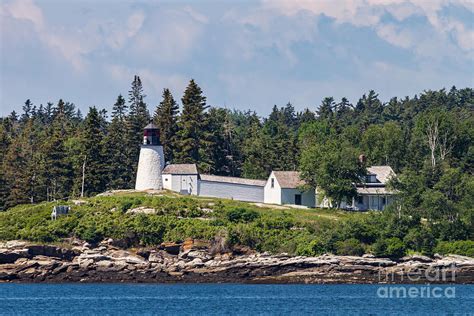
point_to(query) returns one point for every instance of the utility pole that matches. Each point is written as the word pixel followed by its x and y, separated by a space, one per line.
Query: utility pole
pixel 83 176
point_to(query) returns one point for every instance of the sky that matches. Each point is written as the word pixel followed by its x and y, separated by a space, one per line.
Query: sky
pixel 243 54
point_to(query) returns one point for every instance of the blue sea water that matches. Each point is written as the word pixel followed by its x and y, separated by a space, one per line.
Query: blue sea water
pixel 218 299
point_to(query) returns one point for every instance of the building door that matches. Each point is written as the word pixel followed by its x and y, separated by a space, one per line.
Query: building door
pixel 298 199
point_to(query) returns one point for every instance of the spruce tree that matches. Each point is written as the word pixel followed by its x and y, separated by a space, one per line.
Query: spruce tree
pixel 166 119
pixel 193 138
pixel 95 164
pixel 56 166
pixel 4 187
pixel 27 111
pixel 21 167
pixel 326 109
pixel 137 119
pixel 116 149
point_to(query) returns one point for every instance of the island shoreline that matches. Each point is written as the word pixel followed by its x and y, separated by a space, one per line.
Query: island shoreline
pixel 22 262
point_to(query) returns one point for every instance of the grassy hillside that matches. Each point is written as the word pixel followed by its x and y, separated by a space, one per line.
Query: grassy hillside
pixel 274 229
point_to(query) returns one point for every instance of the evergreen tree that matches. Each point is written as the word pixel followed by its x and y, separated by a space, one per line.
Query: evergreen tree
pixel 254 158
pixel 344 113
pixel 222 147
pixel 137 119
pixel 166 119
pixel 305 117
pixel 369 110
pixel 193 137
pixel 21 167
pixel 95 162
pixel 118 175
pixel 56 167
pixel 27 111
pixel 119 110
pixel 4 186
pixel 289 116
pixel 325 111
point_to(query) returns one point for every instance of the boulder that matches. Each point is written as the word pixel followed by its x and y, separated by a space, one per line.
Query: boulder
pixel 51 251
pixel 198 254
pixel 7 256
pixel 93 256
pixel 144 253
pixel 141 210
pixel 195 263
pixel 104 263
pixel 79 202
pixel 155 257
pixel 14 244
pixel 418 258
pixel 171 247
pixel 188 244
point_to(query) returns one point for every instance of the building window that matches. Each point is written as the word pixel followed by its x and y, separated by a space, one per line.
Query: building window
pixel 273 183
pixel 371 178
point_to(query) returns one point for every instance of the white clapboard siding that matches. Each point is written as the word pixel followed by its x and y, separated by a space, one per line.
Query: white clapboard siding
pixel 240 192
pixel 307 197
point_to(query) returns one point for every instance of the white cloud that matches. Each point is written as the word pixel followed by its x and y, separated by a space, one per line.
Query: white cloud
pixel 369 13
pixel 170 35
pixel 135 22
pixel 395 35
pixel 73 43
pixel 25 10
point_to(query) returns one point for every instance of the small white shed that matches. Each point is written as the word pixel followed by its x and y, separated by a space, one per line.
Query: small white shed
pixel 284 187
pixel 182 178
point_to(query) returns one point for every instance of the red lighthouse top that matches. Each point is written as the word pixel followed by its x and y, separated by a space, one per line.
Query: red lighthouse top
pixel 151 135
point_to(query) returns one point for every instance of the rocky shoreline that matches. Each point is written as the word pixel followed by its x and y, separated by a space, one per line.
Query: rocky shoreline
pixel 194 262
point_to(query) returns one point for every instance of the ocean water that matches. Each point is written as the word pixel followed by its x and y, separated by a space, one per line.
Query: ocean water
pixel 236 299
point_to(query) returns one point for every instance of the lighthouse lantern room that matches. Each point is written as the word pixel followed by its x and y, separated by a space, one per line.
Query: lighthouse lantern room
pixel 151 135
pixel 151 161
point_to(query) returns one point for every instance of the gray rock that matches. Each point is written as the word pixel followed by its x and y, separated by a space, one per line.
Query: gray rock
pixel 104 263
pixel 7 256
pixel 418 258
pixel 155 257
pixel 195 263
pixel 200 254
pixel 86 263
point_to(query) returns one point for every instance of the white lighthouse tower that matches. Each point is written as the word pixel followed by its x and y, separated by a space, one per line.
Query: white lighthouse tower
pixel 151 161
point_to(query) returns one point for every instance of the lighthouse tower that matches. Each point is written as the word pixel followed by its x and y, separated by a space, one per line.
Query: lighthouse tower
pixel 151 161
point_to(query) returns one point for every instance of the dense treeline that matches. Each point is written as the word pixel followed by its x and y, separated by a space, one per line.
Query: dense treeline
pixel 48 150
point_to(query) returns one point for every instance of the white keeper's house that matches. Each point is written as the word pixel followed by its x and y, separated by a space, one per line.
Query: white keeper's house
pixel 281 187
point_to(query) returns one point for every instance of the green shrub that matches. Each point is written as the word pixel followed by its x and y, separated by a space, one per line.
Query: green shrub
pixel 361 229
pixel 38 233
pixel 87 230
pixel 350 247
pixel 241 215
pixel 390 247
pixel 246 235
pixel 460 247
pixel 125 205
pixel 315 247
pixel 420 240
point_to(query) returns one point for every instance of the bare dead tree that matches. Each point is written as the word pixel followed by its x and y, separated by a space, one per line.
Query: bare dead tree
pixel 432 132
pixel 445 146
pixel 83 176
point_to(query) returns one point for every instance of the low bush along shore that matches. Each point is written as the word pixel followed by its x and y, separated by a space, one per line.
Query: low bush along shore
pixel 140 219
